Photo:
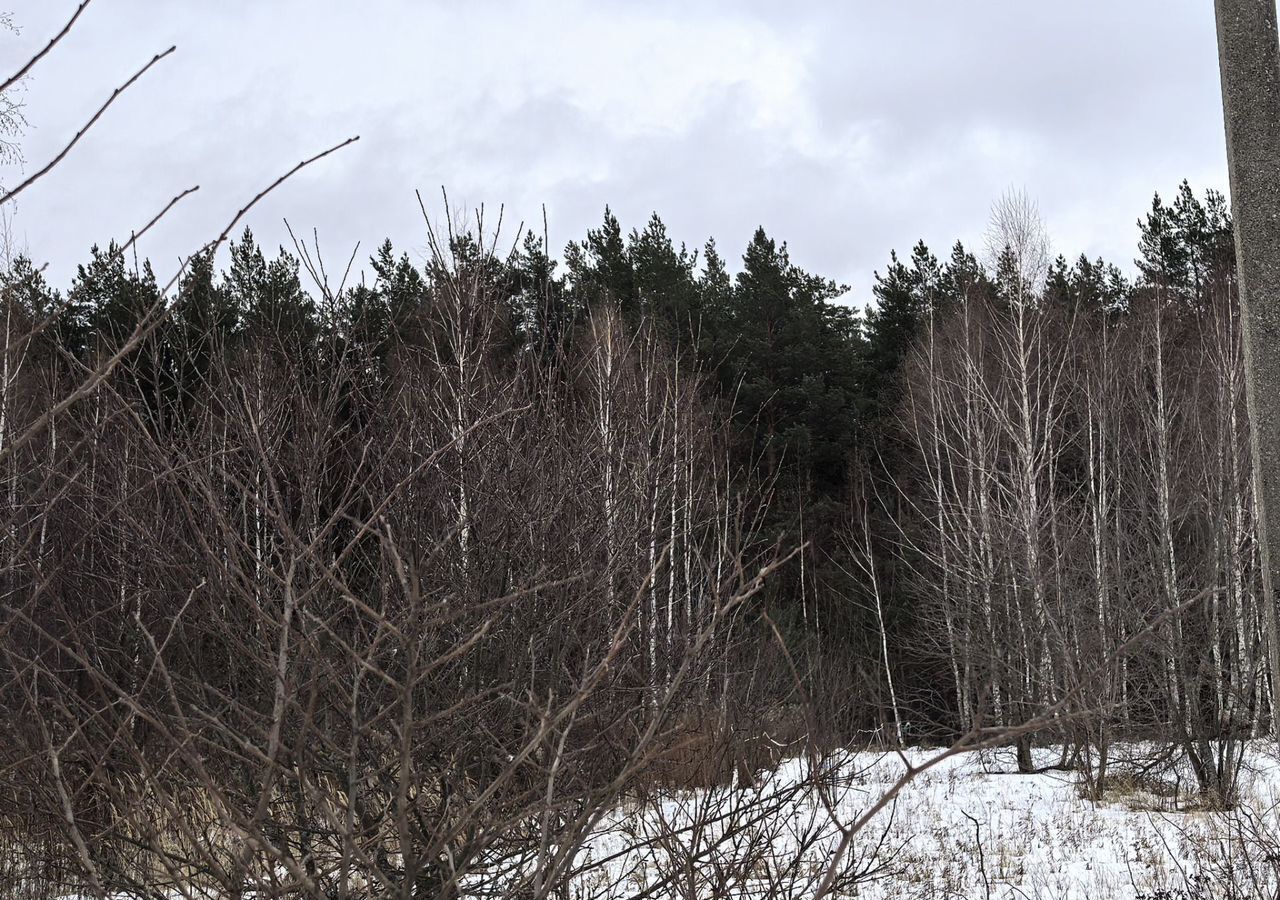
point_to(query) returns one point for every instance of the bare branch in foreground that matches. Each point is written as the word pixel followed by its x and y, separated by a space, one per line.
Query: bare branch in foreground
pixel 84 130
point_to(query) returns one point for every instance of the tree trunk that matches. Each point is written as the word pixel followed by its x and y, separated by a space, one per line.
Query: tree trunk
pixel 1249 56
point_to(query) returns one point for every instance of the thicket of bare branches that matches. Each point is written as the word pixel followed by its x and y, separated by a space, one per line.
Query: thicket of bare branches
pixel 388 630
pixel 309 622
pixel 1083 471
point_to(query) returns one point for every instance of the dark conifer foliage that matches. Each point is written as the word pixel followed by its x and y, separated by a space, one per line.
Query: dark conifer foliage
pixel 792 365
pixel 904 296
pixel 1184 245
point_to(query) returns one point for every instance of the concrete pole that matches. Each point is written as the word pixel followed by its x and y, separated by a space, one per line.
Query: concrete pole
pixel 1249 58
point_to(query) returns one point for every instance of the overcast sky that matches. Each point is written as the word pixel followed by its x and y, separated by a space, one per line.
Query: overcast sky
pixel 847 128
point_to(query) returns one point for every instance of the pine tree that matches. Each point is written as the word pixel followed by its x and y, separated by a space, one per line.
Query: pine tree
pixel 268 296
pixel 204 325
pixel 1184 245
pixel 600 268
pixel 116 301
pixel 26 287
pixel 793 365
pixel 903 294
pixel 666 290
pixel 543 312
pixel 383 315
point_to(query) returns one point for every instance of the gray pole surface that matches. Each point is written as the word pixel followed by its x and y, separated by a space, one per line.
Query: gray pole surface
pixel 1250 63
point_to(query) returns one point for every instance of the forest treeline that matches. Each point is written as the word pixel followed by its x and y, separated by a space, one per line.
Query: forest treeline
pixel 831 411
pixel 370 572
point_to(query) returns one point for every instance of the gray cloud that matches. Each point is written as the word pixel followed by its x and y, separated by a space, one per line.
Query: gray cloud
pixel 846 128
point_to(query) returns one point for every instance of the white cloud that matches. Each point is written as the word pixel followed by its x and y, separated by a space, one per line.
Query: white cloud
pixel 846 129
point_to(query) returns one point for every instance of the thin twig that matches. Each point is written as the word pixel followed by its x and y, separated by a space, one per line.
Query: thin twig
pixel 160 215
pixel 21 73
pixel 84 130
pixel 213 245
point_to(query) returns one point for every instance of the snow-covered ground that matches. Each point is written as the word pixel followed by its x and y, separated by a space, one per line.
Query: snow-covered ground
pixel 967 828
